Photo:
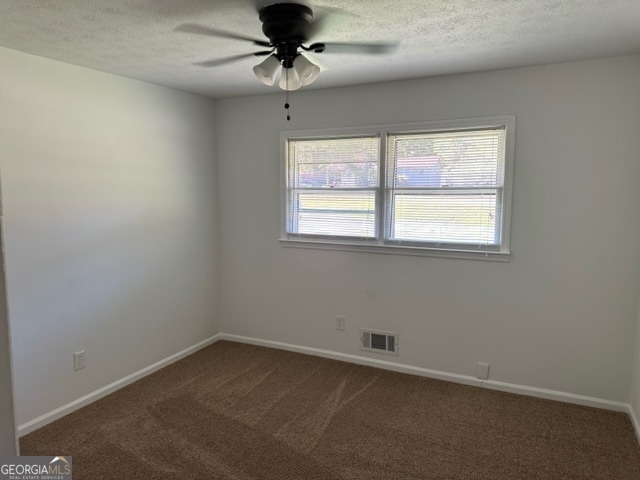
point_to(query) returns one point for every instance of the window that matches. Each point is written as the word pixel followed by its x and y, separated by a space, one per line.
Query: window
pixel 439 188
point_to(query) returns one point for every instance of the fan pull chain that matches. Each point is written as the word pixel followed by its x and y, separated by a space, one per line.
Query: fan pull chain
pixel 286 97
pixel 286 106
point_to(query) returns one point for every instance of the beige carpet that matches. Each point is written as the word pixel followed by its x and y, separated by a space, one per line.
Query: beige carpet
pixel 240 412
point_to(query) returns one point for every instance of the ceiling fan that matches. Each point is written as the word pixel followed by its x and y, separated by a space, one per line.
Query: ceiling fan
pixel 288 27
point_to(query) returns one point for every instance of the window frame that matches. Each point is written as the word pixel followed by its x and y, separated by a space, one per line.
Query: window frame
pixel 388 246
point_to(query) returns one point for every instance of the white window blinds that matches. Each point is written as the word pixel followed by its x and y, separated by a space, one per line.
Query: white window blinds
pixel 446 187
pixel 332 187
pixel 441 186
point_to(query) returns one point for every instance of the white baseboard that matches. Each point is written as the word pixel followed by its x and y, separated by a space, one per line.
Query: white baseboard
pixel 451 377
pixel 49 417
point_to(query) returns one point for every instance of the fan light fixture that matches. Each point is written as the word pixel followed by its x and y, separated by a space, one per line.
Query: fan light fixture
pixel 301 72
pixel 267 70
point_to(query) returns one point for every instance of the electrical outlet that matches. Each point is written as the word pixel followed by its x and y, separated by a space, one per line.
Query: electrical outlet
pixel 340 321
pixel 79 360
pixel 482 371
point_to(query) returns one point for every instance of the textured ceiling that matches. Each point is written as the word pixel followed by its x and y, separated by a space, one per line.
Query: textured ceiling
pixel 136 38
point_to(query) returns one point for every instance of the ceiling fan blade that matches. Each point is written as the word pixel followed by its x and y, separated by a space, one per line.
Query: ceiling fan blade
pixel 234 58
pixel 319 24
pixel 214 32
pixel 360 48
pixel 326 18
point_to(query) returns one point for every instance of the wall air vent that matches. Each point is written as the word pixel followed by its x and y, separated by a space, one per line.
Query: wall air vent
pixel 379 342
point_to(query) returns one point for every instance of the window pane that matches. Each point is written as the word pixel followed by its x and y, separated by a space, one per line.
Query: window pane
pixel 331 163
pixel 449 159
pixel 418 171
pixel 341 214
pixel 444 218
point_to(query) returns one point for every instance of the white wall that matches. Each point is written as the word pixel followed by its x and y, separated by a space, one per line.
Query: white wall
pixel 561 315
pixel 8 445
pixel 109 214
pixel 635 380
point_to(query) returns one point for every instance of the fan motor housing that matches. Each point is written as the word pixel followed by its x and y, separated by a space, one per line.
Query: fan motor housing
pixel 286 22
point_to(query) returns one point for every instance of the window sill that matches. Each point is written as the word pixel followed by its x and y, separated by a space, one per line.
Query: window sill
pixel 491 256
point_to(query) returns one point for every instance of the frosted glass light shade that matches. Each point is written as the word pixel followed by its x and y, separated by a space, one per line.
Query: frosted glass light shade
pixel 266 70
pixel 307 70
pixel 289 79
